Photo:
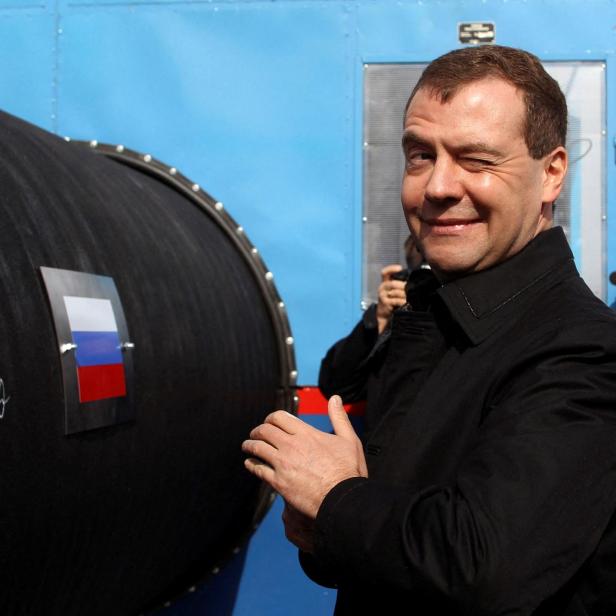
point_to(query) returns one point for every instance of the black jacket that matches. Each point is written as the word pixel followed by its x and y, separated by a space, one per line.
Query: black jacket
pixel 492 471
pixel 351 367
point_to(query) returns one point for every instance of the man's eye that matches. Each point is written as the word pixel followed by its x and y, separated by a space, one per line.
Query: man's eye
pixel 473 161
pixel 414 159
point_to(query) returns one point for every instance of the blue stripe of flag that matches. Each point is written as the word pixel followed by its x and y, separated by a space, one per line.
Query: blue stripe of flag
pixel 97 348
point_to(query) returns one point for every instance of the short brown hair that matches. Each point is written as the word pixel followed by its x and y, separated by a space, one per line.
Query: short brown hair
pixel 545 126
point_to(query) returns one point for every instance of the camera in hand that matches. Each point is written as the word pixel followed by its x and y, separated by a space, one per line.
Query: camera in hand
pixel 402 275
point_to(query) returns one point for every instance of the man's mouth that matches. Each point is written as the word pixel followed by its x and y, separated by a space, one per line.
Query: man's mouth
pixel 445 226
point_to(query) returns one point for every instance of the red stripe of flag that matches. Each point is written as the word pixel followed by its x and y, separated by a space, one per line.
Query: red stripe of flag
pixel 100 382
pixel 313 402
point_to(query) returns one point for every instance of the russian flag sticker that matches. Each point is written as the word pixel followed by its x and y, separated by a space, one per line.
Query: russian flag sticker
pixel 100 366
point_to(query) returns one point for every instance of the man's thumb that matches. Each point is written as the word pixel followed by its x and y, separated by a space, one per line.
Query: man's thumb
pixel 340 421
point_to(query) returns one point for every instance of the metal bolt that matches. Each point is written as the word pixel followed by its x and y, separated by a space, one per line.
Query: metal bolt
pixel 219 206
pixel 67 138
pixel 119 148
pixel 254 251
pixel 66 347
pixel 93 143
pixel 293 374
pixel 289 340
pixel 195 187
pixel 364 219
pixel 240 230
pixel 173 170
pixel 269 276
pixel 280 304
pixel 147 158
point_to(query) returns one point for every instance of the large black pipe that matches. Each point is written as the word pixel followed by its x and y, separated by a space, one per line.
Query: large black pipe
pixel 106 521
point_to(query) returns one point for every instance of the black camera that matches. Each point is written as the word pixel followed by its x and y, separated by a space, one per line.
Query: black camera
pixel 402 275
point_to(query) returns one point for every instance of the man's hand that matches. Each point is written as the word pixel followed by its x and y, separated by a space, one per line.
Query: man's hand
pixel 298 528
pixel 302 463
pixel 391 296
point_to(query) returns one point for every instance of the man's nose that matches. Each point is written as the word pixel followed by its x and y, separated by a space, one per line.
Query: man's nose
pixel 444 183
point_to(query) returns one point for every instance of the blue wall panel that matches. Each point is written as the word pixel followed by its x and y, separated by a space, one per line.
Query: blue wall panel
pixel 27 51
pixel 553 29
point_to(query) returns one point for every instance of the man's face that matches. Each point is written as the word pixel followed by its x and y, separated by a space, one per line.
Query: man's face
pixel 471 193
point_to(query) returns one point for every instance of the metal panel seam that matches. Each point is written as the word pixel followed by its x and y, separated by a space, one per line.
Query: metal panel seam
pixel 57 32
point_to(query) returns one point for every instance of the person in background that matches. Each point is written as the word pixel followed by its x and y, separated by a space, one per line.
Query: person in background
pixel 352 365
pixel 391 292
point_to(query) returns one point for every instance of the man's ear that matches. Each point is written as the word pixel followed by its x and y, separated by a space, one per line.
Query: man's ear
pixel 554 172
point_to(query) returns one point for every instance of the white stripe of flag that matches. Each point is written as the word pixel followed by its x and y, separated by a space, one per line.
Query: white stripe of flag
pixel 90 314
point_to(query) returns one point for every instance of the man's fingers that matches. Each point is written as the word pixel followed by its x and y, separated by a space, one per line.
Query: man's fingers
pixel 260 450
pixel 270 434
pixel 392 289
pixel 260 469
pixel 340 421
pixel 285 421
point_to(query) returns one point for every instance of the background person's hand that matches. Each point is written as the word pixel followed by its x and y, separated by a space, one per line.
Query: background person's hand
pixel 391 296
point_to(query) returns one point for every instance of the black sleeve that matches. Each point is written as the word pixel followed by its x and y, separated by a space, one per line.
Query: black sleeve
pixel 316 572
pixel 344 369
pixel 529 504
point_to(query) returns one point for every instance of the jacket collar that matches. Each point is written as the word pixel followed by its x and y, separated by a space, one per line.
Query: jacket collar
pixel 480 302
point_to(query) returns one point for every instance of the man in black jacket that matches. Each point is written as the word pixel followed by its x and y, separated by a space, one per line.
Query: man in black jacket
pixel 489 484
